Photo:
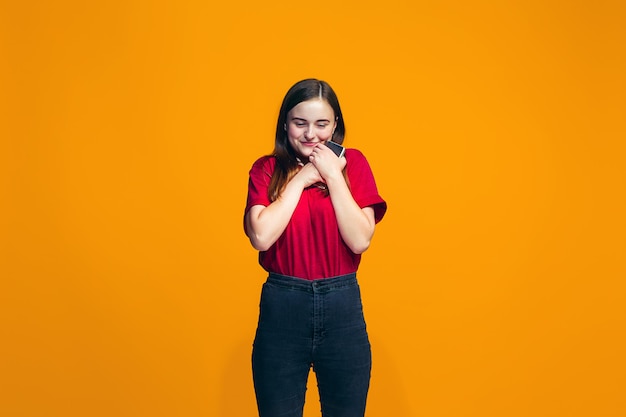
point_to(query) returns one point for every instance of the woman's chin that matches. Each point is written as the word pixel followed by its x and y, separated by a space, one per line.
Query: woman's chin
pixel 304 154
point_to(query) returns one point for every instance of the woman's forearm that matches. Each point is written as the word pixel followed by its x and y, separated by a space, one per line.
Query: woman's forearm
pixel 356 224
pixel 265 224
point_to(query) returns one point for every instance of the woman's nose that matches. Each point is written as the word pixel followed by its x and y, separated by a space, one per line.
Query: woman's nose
pixel 309 133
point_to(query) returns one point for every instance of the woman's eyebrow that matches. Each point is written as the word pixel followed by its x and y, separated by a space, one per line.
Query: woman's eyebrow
pixel 305 120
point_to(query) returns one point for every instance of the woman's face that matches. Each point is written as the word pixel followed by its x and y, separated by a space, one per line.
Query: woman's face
pixel 309 123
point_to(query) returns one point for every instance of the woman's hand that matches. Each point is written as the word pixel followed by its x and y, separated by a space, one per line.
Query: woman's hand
pixel 308 175
pixel 327 163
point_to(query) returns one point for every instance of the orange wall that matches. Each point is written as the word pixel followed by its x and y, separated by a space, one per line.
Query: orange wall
pixel 494 286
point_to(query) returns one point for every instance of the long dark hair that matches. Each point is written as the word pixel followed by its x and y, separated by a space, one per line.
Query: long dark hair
pixel 286 159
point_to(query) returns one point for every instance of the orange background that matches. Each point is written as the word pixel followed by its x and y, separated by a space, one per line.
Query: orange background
pixel 494 286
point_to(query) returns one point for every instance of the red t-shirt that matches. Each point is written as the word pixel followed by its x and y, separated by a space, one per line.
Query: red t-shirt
pixel 311 246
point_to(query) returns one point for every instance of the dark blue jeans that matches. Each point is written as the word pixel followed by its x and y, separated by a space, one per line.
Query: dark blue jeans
pixel 311 323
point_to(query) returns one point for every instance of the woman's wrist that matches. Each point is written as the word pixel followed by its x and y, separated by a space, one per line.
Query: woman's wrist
pixel 296 184
pixel 335 179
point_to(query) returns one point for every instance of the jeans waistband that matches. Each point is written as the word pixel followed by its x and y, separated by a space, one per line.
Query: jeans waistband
pixel 317 285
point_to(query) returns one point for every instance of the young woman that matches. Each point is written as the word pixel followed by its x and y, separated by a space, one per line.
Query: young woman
pixel 311 214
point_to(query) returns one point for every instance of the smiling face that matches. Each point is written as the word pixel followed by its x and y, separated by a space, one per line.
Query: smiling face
pixel 309 123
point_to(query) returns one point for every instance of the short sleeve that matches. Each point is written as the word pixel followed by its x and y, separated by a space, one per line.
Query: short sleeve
pixel 259 182
pixel 363 185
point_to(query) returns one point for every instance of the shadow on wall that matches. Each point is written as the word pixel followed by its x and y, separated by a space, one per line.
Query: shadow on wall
pixel 237 399
pixel 387 395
